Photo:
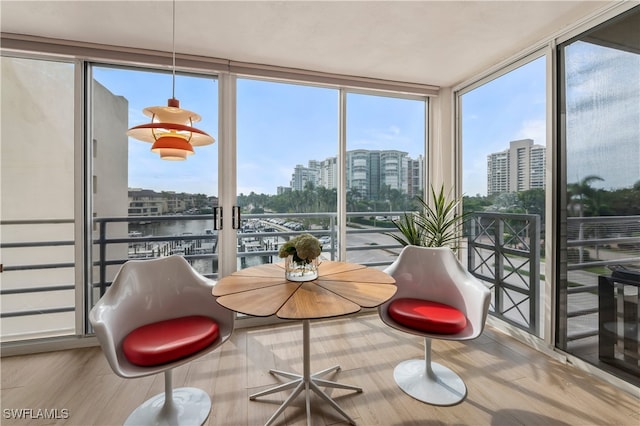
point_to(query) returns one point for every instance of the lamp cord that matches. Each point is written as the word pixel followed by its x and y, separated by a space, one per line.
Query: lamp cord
pixel 173 48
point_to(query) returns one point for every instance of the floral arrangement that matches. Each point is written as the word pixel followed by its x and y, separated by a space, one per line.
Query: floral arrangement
pixel 304 248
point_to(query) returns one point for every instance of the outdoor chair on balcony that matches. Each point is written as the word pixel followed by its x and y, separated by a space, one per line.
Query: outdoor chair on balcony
pixel 439 299
pixel 157 315
pixel 618 319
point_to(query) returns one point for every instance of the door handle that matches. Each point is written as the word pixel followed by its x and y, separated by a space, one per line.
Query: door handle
pixel 236 221
pixel 217 218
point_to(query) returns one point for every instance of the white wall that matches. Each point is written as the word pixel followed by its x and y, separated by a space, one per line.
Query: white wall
pixel 39 182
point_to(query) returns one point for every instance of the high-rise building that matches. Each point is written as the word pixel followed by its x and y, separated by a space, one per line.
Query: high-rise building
pixel 303 175
pixel 394 170
pixel 359 169
pixel 416 177
pixel 518 168
pixel 367 172
pixel 537 159
pixel 329 173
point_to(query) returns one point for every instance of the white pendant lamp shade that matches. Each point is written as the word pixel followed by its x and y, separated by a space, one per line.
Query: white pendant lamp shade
pixel 171 131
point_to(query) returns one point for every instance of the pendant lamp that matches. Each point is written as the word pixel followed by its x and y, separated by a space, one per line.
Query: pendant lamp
pixel 171 128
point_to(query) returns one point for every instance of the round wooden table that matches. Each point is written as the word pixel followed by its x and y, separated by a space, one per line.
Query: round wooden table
pixel 341 288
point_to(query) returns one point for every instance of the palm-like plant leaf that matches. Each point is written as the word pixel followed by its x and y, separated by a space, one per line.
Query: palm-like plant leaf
pixel 436 225
pixel 410 232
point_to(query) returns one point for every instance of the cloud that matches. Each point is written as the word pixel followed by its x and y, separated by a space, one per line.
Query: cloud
pixel 533 129
pixel 391 137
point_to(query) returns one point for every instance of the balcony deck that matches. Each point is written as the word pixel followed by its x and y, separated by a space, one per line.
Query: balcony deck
pixel 508 382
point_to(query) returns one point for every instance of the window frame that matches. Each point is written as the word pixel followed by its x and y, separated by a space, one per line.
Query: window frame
pixel 84 56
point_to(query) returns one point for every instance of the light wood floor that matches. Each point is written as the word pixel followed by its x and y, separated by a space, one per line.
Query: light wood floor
pixel 508 383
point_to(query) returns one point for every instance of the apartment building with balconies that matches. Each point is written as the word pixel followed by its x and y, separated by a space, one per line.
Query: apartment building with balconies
pixel 518 168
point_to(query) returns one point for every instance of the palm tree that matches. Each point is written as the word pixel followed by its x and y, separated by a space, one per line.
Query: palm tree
pixel 396 199
pixel 585 199
pixel 353 196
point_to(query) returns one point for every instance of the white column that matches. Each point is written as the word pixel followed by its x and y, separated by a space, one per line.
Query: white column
pixel 227 168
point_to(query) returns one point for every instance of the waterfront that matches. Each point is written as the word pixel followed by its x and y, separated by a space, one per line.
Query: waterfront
pixel 263 235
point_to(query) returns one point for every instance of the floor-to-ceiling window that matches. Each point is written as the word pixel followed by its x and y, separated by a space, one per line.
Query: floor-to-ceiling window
pixel 289 167
pixel 287 144
pixel 599 196
pixel 38 295
pixel 385 170
pixel 110 199
pixel 168 204
pixel 504 126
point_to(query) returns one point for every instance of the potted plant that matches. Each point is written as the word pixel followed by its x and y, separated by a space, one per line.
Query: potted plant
pixel 435 225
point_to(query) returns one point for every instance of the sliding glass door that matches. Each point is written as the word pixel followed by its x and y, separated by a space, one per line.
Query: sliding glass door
pixel 143 206
pixel 599 228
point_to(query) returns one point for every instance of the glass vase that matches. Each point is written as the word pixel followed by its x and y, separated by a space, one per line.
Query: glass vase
pixel 300 270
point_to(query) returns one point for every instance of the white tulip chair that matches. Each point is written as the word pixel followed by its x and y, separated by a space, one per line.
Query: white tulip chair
pixel 159 314
pixel 437 298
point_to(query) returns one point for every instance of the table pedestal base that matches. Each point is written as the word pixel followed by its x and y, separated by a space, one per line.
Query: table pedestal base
pixel 306 382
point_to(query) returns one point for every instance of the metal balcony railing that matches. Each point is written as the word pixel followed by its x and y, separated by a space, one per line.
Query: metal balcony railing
pixel 595 245
pixel 38 275
pixel 118 239
pixel 503 250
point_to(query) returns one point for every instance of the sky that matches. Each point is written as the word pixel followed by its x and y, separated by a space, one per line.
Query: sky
pixel 508 108
pixel 602 118
pixel 278 127
pixel 282 125
pixel 603 129
pixel 143 89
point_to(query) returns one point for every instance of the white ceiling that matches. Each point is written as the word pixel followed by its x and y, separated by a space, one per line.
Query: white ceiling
pixel 433 42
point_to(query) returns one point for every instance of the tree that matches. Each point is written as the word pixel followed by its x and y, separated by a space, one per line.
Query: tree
pixel 507 202
pixel 327 199
pixel 584 199
pixel 532 201
pixel 623 202
pixel 476 204
pixel 396 198
pixel 353 196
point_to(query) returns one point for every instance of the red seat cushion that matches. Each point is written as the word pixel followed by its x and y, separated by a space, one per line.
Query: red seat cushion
pixel 431 317
pixel 170 340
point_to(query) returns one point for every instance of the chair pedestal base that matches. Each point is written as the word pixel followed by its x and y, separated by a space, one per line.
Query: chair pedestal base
pixel 189 406
pixel 442 387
